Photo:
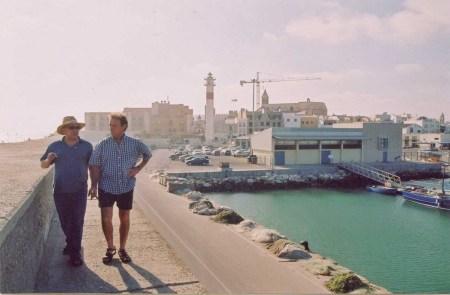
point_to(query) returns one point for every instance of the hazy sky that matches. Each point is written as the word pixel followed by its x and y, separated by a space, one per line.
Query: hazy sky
pixel 67 57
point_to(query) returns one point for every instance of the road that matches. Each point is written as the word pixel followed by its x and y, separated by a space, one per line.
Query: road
pixel 222 259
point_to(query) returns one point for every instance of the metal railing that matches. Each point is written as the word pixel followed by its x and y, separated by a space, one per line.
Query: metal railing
pixel 372 173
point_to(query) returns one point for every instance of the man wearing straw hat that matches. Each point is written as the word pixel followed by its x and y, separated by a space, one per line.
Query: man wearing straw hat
pixel 71 157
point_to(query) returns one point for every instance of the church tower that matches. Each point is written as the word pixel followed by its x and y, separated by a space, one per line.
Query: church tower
pixel 264 98
pixel 209 108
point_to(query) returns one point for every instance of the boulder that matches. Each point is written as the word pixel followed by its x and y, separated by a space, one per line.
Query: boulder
pixel 345 282
pixel 266 235
pixel 228 217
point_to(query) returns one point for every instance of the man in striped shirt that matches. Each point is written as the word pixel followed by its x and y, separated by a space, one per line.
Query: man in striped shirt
pixel 113 167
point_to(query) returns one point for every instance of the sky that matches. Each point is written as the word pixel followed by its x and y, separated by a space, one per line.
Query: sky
pixel 67 57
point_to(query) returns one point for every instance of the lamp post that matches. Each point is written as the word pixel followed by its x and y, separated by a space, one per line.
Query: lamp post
pixel 253 81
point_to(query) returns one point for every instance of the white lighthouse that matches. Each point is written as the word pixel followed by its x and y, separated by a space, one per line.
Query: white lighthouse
pixel 209 108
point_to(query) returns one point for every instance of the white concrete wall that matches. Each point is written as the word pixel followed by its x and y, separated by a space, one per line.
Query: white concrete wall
pixel 373 132
pixel 308 157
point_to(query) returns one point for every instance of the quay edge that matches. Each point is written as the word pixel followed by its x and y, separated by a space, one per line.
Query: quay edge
pixel 304 176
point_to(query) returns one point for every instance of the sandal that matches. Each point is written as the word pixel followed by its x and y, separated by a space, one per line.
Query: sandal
pixel 76 260
pixel 110 252
pixel 123 255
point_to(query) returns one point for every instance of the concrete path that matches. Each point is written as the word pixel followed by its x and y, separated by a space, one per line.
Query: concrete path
pixel 222 259
pixel 155 268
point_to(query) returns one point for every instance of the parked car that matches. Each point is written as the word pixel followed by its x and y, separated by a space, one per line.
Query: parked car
pixel 242 154
pixel 197 161
pixel 176 155
pixel 225 152
pixel 183 157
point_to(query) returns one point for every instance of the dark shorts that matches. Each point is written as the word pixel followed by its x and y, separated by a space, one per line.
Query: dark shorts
pixel 124 201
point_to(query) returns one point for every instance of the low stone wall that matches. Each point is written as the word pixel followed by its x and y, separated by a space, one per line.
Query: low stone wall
pixel 325 176
pixel 23 236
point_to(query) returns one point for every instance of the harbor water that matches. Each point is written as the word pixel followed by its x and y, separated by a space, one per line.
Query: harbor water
pixel 401 246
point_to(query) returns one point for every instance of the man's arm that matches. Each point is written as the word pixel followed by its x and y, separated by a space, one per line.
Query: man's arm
pixel 94 172
pixel 48 161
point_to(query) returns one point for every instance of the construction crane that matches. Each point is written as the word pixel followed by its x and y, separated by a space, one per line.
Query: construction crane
pixel 257 83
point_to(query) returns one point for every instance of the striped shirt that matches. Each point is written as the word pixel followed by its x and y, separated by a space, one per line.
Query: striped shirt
pixel 115 160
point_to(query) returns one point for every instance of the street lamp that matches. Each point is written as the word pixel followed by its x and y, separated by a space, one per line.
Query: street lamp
pixel 253 81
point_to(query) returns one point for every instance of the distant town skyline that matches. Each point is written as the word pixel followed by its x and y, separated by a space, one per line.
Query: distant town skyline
pixel 62 58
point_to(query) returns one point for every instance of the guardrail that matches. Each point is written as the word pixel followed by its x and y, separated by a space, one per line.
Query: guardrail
pixel 372 173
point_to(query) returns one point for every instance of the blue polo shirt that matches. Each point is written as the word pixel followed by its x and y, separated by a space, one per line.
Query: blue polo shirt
pixel 71 165
pixel 115 160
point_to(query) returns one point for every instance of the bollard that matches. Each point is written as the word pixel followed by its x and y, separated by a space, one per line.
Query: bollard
pixel 305 245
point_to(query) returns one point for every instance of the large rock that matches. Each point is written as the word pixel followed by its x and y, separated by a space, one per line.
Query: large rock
pixel 228 217
pixel 345 282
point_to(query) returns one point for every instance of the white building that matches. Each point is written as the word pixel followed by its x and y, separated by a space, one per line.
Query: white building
pixel 428 125
pixel 411 135
pixel 360 142
pixel 292 120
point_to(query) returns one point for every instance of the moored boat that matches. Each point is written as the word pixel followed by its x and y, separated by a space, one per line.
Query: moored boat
pixel 381 189
pixel 428 198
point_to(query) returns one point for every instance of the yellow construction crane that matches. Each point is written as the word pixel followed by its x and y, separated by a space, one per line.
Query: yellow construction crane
pixel 257 84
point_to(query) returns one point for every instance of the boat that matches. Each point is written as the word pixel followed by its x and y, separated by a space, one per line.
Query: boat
pixel 381 189
pixel 426 197
pixel 429 197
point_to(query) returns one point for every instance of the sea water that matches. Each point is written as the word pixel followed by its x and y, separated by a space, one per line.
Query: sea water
pixel 401 246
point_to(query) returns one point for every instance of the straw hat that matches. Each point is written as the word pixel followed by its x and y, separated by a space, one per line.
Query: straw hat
pixel 69 120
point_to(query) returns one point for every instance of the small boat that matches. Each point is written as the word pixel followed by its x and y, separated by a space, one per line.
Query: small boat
pixel 429 198
pixel 381 189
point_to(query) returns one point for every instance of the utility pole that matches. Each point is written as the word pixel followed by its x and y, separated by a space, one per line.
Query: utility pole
pixel 253 81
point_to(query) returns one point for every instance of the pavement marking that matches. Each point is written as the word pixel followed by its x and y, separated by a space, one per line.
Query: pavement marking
pixel 184 244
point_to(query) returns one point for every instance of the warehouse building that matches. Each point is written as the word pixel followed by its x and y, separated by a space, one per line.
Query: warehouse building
pixel 357 142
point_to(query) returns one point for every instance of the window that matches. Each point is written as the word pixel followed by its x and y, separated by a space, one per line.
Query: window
pixel 331 145
pixel 352 144
pixel 383 143
pixel 284 145
pixel 308 145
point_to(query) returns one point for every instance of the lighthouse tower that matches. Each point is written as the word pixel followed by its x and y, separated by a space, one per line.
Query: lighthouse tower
pixel 209 108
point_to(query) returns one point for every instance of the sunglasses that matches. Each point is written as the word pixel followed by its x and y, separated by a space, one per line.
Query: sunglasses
pixel 73 127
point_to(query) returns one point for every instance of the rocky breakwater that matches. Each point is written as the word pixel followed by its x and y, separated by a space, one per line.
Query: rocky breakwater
pixel 335 277
pixel 268 181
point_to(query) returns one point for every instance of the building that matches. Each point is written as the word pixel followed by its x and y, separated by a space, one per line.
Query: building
pixel 164 120
pixel 138 119
pixel 96 121
pixel 411 135
pixel 171 120
pixel 428 125
pixel 307 107
pixel 438 140
pixel 361 142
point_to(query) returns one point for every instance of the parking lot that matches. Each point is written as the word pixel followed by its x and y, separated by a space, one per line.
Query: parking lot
pixel 236 163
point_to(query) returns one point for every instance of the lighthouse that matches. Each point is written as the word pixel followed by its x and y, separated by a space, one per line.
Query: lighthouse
pixel 209 108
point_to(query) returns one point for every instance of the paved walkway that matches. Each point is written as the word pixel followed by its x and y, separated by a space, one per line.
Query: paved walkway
pixel 224 260
pixel 155 268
